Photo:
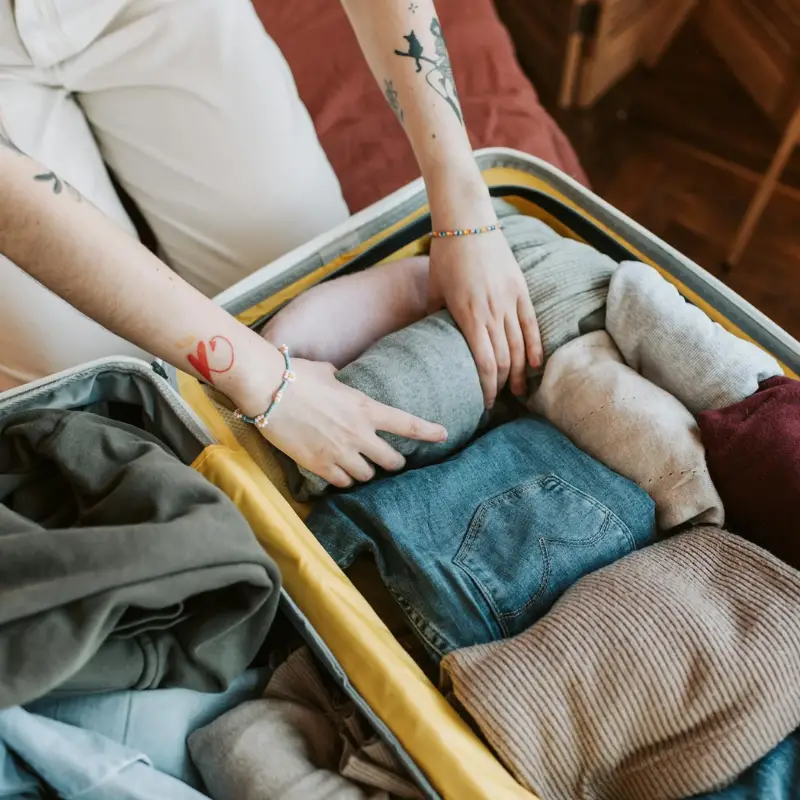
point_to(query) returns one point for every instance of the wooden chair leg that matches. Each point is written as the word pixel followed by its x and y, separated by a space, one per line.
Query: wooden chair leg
pixel 569 80
pixel 572 59
pixel 758 204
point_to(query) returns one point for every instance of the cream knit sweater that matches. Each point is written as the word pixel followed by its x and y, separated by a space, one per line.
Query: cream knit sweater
pixel 632 426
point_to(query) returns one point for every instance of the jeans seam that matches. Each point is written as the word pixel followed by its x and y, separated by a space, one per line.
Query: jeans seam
pixel 417 621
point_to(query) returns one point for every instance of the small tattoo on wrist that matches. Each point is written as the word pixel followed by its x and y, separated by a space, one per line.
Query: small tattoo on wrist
pixel 215 357
pixel 413 8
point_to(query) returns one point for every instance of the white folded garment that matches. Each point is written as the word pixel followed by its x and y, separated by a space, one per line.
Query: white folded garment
pixel 677 346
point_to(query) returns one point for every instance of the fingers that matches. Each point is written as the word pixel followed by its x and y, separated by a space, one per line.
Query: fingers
pixel 336 476
pixel 516 347
pixel 355 465
pixel 383 454
pixel 530 331
pixel 502 354
pixel 392 420
pixel 483 353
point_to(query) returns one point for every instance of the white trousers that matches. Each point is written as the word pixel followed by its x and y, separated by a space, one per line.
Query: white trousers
pixel 194 109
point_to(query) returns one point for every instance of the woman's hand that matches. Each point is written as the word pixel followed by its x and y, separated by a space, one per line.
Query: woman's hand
pixel 331 429
pixel 481 284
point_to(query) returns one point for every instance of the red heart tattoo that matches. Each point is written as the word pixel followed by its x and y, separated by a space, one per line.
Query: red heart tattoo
pixel 200 360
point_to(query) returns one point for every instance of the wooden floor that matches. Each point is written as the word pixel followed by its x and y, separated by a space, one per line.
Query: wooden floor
pixel 680 149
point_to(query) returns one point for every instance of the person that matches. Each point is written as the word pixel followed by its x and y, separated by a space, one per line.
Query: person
pixel 194 110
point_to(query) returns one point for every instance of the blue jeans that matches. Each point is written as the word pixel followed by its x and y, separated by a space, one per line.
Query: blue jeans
pixel 774 777
pixel 479 547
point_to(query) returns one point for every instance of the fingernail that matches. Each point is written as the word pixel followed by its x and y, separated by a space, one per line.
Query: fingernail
pixel 443 437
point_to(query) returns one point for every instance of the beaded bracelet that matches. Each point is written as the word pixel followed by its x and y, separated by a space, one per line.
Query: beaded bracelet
pixel 498 226
pixel 262 420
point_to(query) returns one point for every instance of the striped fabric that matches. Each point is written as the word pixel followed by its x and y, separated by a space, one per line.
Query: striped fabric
pixel 661 676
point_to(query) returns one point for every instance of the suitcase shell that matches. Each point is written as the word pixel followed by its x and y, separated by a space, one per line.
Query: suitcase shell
pixel 92 387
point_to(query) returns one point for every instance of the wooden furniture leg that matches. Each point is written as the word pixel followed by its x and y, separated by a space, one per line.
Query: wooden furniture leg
pixel 791 137
pixel 572 60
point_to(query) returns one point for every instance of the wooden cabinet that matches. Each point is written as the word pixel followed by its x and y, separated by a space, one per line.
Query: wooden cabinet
pixel 760 41
pixel 578 49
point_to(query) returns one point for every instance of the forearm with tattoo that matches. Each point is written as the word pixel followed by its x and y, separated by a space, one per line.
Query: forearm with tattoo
pixel 80 254
pixel 404 44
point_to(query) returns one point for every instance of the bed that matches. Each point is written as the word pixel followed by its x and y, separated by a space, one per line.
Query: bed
pixel 360 134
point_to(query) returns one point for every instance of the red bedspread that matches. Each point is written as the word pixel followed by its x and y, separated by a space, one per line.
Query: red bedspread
pixel 359 132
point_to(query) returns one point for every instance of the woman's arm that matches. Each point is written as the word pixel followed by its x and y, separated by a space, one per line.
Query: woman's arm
pixel 476 276
pixel 63 241
pixel 49 231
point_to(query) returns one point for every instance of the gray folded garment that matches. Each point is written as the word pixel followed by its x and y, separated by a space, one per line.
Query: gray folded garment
pixel 120 567
pixel 302 741
pixel 427 369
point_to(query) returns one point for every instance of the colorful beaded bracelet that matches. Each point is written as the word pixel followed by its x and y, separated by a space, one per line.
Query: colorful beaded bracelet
pixel 262 420
pixel 498 226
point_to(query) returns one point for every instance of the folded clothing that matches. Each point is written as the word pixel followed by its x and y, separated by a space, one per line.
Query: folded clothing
pixel 479 547
pixel 302 741
pixel 124 562
pixel 128 718
pixel 632 426
pixel 78 764
pixel 676 345
pixel 753 453
pixel 661 676
pixel 16 781
pixel 427 369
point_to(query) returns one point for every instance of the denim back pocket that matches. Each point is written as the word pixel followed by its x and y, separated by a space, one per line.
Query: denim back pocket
pixel 523 548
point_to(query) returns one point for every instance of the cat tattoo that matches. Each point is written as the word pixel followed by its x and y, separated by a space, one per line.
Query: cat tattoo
pixel 440 75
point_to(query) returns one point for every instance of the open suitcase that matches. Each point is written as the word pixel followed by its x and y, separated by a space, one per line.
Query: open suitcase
pixel 444 755
pixel 444 747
